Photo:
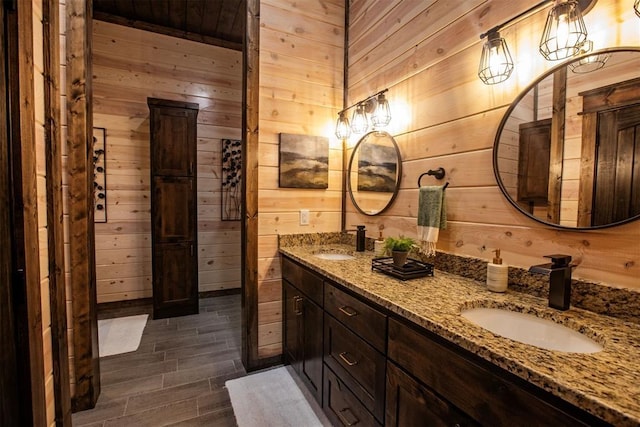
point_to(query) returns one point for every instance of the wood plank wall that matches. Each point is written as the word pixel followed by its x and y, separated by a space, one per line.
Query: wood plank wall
pixel 301 87
pixel 130 65
pixel 41 191
pixel 65 192
pixel 427 54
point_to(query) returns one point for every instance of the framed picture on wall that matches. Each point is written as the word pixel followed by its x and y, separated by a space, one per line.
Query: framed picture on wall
pixel 375 171
pixel 303 161
pixel 231 179
pixel 99 175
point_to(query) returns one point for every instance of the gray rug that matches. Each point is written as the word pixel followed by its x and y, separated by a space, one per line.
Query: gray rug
pixel 274 398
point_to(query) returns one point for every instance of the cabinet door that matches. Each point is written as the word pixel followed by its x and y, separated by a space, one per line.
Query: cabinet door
pixel 292 301
pixel 311 369
pixel 409 403
pixel 174 207
pixel 175 286
pixel 173 200
pixel 176 128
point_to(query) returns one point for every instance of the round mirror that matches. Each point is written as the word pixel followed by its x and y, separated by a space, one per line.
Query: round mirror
pixel 374 173
pixel 567 152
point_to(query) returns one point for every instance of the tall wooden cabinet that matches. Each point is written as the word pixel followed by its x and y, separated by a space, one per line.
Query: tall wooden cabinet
pixel 174 207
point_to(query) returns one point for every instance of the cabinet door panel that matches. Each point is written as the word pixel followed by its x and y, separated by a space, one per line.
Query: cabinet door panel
pixel 175 157
pixel 173 219
pixel 311 369
pixel 409 403
pixel 175 284
pixel 292 319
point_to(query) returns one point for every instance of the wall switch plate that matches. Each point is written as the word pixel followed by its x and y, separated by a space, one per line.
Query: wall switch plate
pixel 304 216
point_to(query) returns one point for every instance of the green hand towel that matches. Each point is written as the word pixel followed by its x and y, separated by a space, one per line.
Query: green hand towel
pixel 432 217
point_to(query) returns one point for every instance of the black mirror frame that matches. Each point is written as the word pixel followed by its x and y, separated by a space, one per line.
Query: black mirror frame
pixel 496 142
pixel 399 174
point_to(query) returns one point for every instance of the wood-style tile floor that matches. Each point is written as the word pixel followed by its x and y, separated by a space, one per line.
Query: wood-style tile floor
pixel 177 375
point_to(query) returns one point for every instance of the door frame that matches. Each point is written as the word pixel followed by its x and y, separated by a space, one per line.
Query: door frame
pixel 20 194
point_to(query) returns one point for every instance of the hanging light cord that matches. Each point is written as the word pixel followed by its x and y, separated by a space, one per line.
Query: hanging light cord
pixel 526 12
pixel 375 95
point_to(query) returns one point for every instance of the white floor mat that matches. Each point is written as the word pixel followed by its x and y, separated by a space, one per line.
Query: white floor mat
pixel 273 399
pixel 120 335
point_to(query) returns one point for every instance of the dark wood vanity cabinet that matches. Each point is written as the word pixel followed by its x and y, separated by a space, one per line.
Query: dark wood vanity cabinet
pixel 302 326
pixel 487 394
pixel 380 369
pixel 410 403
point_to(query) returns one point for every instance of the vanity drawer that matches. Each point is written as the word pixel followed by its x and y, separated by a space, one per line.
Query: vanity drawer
pixel 341 405
pixel 357 363
pixel 356 315
pixel 303 279
pixel 474 387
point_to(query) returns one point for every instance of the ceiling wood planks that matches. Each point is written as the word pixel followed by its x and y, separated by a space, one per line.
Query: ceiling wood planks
pixel 215 22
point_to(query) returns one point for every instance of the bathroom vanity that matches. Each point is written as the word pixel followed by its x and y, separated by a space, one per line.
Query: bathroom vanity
pixel 376 351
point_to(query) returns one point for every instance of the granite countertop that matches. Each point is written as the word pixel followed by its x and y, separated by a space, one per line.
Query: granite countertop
pixel 606 383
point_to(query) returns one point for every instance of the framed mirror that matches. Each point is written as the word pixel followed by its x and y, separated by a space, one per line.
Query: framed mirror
pixel 567 151
pixel 373 176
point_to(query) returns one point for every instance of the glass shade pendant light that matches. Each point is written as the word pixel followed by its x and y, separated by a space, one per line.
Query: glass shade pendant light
pixel 589 63
pixel 564 32
pixel 382 114
pixel 359 122
pixel 496 64
pixel 343 129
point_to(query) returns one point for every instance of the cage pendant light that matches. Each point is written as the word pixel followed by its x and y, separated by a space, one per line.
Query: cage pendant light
pixel 359 123
pixel 382 114
pixel 636 7
pixel 589 63
pixel 564 32
pixel 343 129
pixel 496 64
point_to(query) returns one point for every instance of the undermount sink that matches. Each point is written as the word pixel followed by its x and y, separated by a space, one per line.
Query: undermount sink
pixel 333 256
pixel 532 330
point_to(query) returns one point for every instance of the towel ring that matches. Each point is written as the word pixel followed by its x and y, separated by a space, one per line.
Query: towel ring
pixel 437 173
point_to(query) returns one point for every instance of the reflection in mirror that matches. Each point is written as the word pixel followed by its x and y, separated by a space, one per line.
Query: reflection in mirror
pixel 567 152
pixel 374 173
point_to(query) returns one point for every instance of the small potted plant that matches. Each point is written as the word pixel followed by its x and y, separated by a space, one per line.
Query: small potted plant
pixel 399 248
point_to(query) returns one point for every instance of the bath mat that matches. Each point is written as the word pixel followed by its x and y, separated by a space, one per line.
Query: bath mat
pixel 273 398
pixel 121 334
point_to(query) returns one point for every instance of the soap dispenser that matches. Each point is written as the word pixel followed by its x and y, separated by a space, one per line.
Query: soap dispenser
pixel 378 246
pixel 497 274
pixel 360 238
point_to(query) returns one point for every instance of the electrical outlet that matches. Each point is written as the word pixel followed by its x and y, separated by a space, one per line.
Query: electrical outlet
pixel 304 216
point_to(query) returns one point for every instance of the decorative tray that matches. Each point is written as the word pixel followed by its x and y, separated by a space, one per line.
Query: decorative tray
pixel 411 270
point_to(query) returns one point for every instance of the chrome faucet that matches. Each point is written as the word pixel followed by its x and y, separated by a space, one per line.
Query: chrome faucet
pixel 559 272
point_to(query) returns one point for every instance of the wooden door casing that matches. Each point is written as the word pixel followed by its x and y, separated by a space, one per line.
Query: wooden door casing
pixel 610 154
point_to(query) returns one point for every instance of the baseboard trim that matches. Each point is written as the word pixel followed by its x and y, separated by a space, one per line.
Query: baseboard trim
pixel 112 305
pixel 219 293
pixel 264 363
pixel 149 301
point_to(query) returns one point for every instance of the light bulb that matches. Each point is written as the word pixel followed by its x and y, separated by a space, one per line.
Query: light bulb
pixel 343 130
pixel 496 64
pixel 382 114
pixel 359 122
pixel 564 32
